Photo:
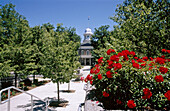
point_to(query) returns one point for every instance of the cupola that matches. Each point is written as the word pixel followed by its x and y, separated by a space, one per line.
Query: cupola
pixel 87 35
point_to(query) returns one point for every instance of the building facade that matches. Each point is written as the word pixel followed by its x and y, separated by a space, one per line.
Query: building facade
pixel 85 49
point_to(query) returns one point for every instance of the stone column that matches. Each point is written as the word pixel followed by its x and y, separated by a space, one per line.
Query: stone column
pixel 81 61
pixel 84 61
pixel 90 61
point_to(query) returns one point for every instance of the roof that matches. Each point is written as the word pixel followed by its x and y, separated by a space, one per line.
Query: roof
pixel 86 45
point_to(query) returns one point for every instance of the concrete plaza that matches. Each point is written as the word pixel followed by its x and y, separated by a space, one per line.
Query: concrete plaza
pixel 22 102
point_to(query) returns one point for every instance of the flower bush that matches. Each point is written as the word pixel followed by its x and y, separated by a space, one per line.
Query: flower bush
pixel 23 86
pixel 125 81
pixel 4 95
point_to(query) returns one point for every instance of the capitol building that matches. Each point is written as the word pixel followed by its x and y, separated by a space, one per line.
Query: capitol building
pixel 85 49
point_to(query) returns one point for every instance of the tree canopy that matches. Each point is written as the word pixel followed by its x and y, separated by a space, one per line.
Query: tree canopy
pixel 41 50
pixel 142 26
pixel 145 23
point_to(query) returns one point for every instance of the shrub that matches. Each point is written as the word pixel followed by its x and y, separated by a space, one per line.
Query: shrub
pixel 23 86
pixel 125 81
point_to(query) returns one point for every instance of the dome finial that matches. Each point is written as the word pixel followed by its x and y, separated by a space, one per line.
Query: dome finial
pixel 88 21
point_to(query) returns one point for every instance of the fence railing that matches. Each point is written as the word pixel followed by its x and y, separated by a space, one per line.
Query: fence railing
pixel 32 102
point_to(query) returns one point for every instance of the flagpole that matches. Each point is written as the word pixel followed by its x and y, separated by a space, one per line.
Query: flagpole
pixel 88 22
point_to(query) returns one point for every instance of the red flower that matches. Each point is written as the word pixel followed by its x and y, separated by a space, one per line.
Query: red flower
pixel 109 51
pixel 110 62
pixel 145 58
pixel 97 65
pixel 150 68
pixel 100 60
pixel 143 65
pixel 109 74
pixel 100 76
pixel 168 51
pixel 133 61
pixel 163 56
pixel 92 70
pixel 151 58
pixel 125 52
pixel 85 80
pixel 118 101
pixel 136 65
pixel 109 67
pixel 135 57
pixel 125 57
pixel 160 60
pixel 151 64
pixel 82 78
pixel 163 70
pixel 120 54
pixel 117 66
pixel 167 95
pixel 159 78
pixel 131 104
pixel 89 77
pixel 91 82
pixel 147 93
pixel 163 50
pixel 97 70
pixel 140 60
pixel 168 60
pixel 132 53
pixel 105 94
pixel 114 58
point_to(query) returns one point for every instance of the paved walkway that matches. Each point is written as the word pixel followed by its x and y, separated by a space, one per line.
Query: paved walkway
pixel 22 102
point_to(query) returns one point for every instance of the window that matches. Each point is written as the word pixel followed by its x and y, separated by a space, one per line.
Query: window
pixel 82 52
pixel 88 53
pixel 87 36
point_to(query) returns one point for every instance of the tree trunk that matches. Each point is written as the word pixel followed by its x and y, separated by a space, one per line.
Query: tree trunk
pixel 34 78
pixel 16 75
pixel 69 86
pixel 58 91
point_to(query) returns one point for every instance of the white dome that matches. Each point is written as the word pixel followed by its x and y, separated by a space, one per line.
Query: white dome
pixel 87 35
pixel 88 31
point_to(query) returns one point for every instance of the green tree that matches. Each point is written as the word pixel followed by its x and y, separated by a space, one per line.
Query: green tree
pixel 100 37
pixel 73 60
pixel 14 41
pixel 102 40
pixel 145 23
pixel 60 54
pixel 35 55
pixel 99 40
pixel 19 47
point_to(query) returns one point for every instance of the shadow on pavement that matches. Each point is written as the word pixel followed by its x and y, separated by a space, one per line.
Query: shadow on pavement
pixel 67 91
pixel 40 105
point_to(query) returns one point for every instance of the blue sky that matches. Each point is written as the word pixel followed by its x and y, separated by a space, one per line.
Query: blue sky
pixel 72 13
